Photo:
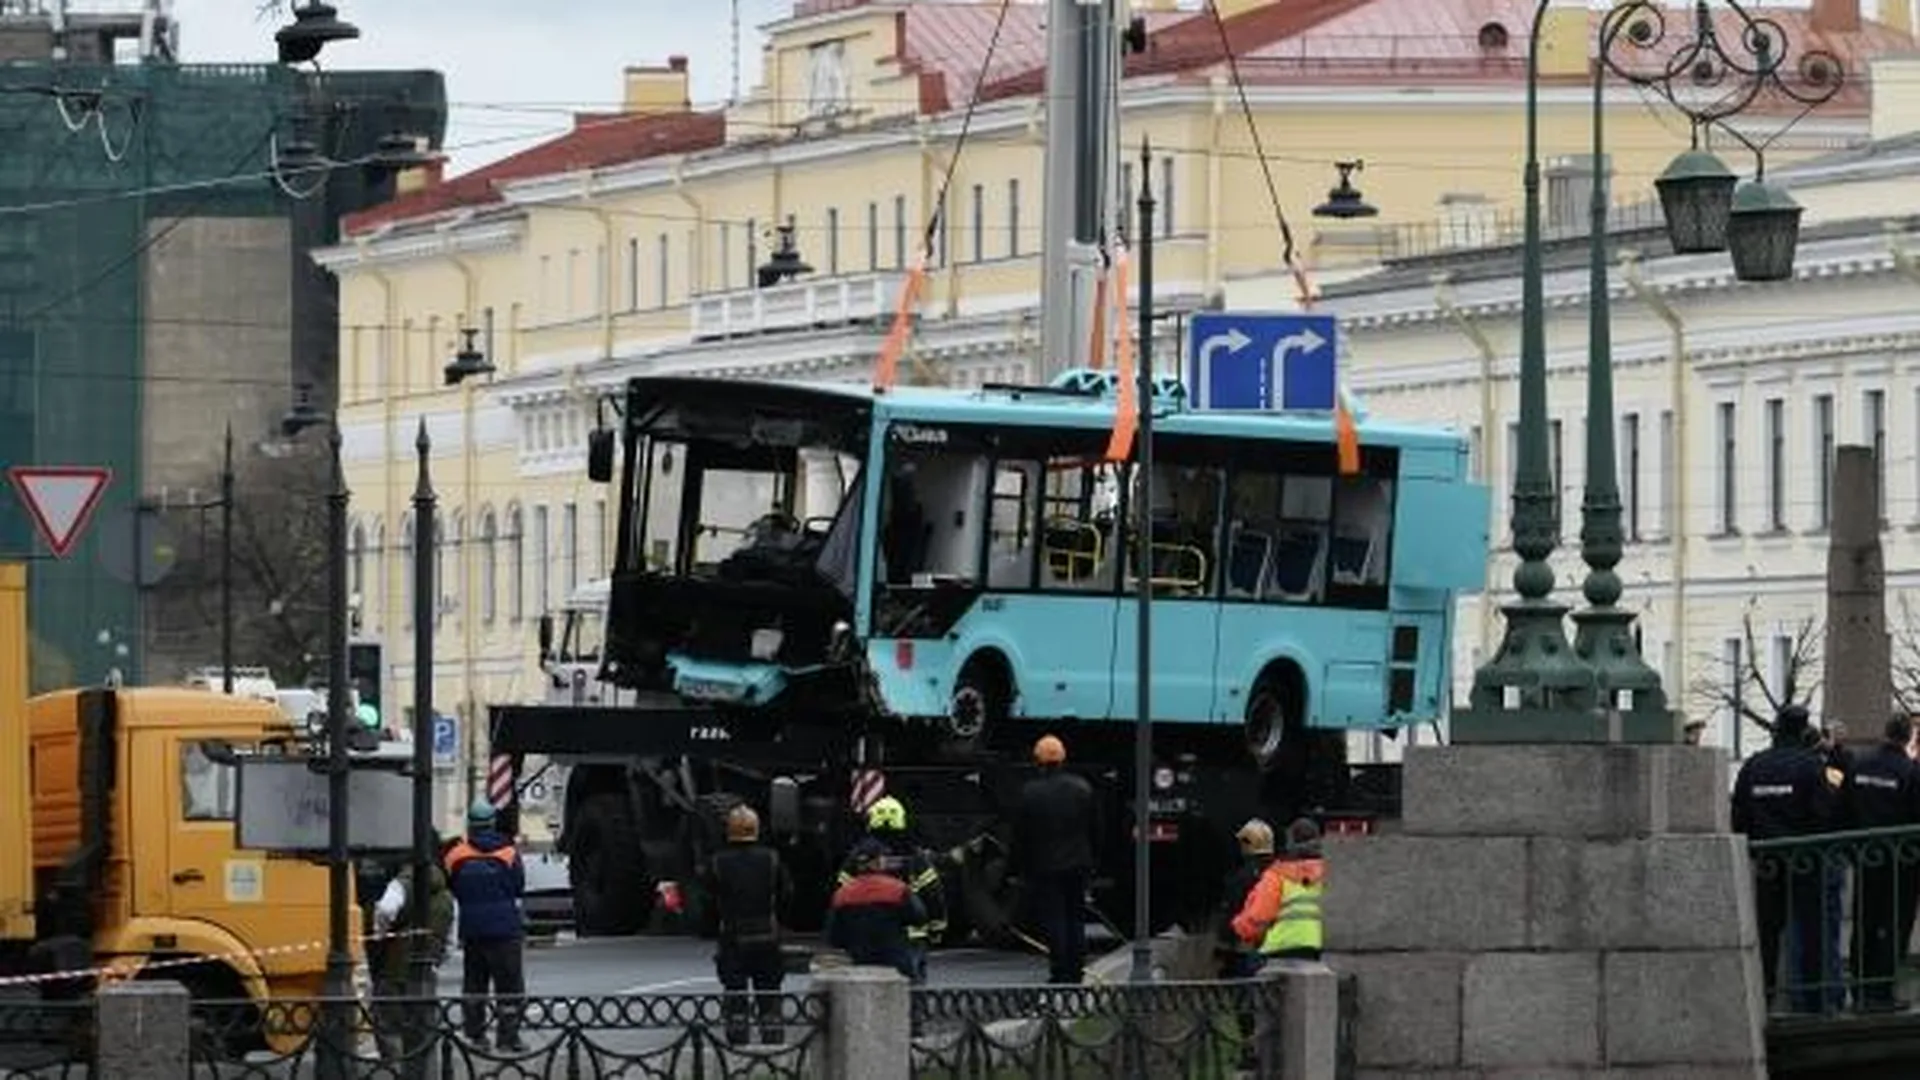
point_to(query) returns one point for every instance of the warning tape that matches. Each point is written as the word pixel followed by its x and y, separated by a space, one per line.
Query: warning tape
pixel 116 972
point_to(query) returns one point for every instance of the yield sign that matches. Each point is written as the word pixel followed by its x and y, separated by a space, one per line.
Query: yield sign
pixel 60 498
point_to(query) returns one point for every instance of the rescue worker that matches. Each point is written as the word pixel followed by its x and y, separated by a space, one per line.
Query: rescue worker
pixel 1281 916
pixel 1882 792
pixel 1053 845
pixel 750 888
pixel 487 879
pixel 1255 838
pixel 394 927
pixel 868 916
pixel 1782 791
pixel 887 826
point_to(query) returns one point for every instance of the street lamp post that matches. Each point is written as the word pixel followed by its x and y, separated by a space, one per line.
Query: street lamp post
pixel 1537 688
pixel 1142 967
pixel 425 594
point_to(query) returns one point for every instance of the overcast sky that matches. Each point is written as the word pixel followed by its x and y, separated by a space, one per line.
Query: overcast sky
pixel 514 68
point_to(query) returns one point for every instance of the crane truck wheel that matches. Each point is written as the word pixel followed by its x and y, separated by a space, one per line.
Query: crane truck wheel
pixel 607 868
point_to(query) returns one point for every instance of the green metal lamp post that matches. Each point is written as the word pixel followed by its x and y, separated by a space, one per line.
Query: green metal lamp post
pixel 1538 688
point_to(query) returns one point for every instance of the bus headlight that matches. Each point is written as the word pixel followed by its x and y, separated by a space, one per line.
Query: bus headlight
pixel 1162 778
pixel 766 644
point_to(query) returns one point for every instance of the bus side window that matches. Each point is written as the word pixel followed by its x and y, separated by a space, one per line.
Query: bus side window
pixel 1362 524
pixel 1080 549
pixel 933 519
pixel 1010 525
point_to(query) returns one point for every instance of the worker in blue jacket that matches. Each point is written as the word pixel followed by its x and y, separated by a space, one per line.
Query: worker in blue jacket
pixel 487 878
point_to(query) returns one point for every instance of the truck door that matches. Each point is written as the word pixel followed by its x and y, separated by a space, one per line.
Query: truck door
pixel 264 902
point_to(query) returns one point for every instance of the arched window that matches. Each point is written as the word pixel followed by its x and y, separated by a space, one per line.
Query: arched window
pixel 357 561
pixel 410 581
pixel 378 602
pixel 516 565
pixel 446 548
pixel 489 565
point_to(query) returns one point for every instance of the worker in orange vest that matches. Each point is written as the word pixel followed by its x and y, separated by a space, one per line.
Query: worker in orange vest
pixel 1281 916
pixel 487 878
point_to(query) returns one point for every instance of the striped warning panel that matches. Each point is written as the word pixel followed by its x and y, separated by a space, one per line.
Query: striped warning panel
pixel 500 781
pixel 868 786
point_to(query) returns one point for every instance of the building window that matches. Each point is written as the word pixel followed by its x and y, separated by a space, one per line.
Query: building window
pixel 489 566
pixel 753 252
pixel 599 538
pixel 409 581
pixel 357 560
pixel 873 236
pixel 1126 208
pixel 979 225
pixel 1509 478
pixel 1630 456
pixel 1873 415
pixel 445 546
pixel 1729 466
pixel 1669 477
pixel 1013 219
pixel 1776 464
pixel 600 293
pixel 1476 453
pixel 1559 471
pixel 1822 460
pixel 662 269
pixel 1780 666
pixel 1166 197
pixel 516 565
pixel 1733 677
pixel 938 241
pixel 542 561
pixel 570 544
pixel 833 240
pixel 570 290
pixel 899 232
pixel 633 274
pixel 543 289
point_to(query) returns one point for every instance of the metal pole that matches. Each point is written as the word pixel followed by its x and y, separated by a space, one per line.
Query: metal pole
pixel 226 567
pixel 1060 176
pixel 138 563
pixel 1143 718
pixel 339 977
pixel 425 594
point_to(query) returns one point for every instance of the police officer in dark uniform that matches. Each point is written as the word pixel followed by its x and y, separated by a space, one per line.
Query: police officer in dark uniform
pixel 750 888
pixel 1882 792
pixel 1053 845
pixel 1783 791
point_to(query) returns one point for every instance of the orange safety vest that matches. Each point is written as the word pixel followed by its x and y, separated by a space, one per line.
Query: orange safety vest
pixel 464 852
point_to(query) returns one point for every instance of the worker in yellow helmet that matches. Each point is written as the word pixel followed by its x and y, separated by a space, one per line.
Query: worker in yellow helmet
pixel 895 853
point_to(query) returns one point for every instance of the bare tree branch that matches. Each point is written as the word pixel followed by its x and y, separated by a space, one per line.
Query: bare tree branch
pixel 1905 647
pixel 1749 693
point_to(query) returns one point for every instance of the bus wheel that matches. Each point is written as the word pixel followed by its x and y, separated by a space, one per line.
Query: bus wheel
pixel 981 698
pixel 1275 723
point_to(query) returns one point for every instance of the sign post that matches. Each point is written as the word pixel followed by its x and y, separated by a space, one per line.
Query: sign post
pixel 1259 360
pixel 59 499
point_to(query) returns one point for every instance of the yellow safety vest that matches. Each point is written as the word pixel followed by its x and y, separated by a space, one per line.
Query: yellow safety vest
pixel 1297 925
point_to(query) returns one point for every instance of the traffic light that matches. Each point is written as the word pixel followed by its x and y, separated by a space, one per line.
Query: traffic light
pixel 365 673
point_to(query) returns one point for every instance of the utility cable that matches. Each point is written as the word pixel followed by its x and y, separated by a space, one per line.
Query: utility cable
pixel 966 125
pixel 1253 132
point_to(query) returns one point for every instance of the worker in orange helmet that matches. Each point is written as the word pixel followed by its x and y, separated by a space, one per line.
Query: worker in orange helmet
pixel 1054 838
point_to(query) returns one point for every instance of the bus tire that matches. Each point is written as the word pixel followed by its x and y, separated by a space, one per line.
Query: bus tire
pixel 607 868
pixel 1276 719
pixel 982 698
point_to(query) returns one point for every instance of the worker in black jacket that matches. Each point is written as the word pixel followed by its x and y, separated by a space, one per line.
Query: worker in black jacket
pixel 1053 845
pixel 1882 792
pixel 750 888
pixel 871 912
pixel 1783 792
pixel 908 861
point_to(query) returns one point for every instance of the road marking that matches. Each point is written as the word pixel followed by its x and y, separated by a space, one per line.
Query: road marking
pixel 653 988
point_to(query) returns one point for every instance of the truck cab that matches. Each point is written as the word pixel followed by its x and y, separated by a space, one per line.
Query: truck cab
pixel 573 648
pixel 131 825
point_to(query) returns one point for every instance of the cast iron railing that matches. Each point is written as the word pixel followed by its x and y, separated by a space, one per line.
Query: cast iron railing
pixel 659 1036
pixel 1170 1030
pixel 1836 914
pixel 45 1040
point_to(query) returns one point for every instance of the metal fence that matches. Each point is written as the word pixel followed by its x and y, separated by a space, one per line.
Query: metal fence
pixel 45 1040
pixel 1836 914
pixel 700 1036
pixel 1168 1029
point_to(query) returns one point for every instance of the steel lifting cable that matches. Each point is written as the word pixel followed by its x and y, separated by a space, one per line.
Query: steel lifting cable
pixel 887 363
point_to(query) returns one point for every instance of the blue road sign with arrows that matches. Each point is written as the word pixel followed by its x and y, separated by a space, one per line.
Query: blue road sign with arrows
pixel 446 740
pixel 1260 360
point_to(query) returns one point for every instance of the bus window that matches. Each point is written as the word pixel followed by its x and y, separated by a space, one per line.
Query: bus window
pixel 931 522
pixel 1270 554
pixel 1186 508
pixel 1080 548
pixel 1362 522
pixel 1010 537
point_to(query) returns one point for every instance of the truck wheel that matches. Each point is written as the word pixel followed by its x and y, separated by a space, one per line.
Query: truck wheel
pixel 607 868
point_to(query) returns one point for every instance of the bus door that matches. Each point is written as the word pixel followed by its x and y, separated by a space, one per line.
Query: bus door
pixel 1186 605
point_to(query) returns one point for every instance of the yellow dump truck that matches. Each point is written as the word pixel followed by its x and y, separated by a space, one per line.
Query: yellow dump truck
pixel 117 840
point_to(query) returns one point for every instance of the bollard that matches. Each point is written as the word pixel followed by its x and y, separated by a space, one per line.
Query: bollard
pixel 1309 1019
pixel 142 1031
pixel 869 1029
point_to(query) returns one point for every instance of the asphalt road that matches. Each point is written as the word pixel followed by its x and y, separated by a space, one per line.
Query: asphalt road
pixel 646 965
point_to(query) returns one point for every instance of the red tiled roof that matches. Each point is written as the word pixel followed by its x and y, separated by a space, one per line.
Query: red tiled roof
pixel 597 139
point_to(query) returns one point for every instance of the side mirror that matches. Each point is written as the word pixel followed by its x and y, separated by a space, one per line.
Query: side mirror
pixel 600 455
pixel 783 806
pixel 546 637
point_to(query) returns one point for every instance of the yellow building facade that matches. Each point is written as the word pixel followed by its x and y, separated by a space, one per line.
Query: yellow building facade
pixel 630 245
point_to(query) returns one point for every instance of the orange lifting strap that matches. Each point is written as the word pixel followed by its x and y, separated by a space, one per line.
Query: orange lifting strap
pixel 1346 435
pixel 887 365
pixel 1126 410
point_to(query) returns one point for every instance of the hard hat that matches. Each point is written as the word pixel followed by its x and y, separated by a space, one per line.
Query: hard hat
pixel 1256 837
pixel 887 814
pixel 743 824
pixel 481 812
pixel 1049 751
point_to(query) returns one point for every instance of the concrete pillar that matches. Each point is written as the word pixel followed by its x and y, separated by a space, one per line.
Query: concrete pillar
pixel 142 1030
pixel 1309 1020
pixel 1858 683
pixel 869 1033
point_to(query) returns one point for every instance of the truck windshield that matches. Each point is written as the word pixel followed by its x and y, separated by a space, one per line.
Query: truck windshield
pixel 581 638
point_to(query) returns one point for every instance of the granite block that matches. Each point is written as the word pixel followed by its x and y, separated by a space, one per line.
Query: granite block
pixel 1426 892
pixel 1593 791
pixel 1668 892
pixel 869 1027
pixel 1531 1009
pixel 142 1031
pixel 1409 1008
pixel 1683 1008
